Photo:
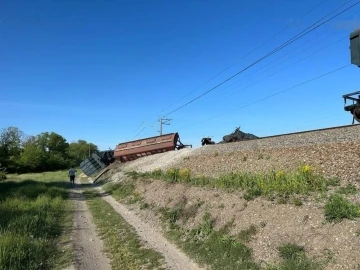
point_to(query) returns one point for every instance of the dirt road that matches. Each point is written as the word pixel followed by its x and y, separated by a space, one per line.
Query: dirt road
pixel 175 258
pixel 89 248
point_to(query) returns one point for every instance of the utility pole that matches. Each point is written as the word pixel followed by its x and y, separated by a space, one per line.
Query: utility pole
pixel 163 122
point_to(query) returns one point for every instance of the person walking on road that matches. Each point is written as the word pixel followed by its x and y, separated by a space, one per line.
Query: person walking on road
pixel 72 172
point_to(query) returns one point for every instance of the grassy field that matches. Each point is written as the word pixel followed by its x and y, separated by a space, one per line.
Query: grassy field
pixel 35 221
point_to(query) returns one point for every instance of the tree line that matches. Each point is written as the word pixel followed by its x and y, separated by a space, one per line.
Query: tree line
pixel 47 151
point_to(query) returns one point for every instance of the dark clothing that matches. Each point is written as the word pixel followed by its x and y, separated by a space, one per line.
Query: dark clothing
pixel 72 178
pixel 72 175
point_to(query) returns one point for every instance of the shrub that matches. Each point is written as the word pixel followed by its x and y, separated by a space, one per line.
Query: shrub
pixel 245 235
pixel 290 251
pixel 172 175
pixel 294 258
pixel 157 173
pixel 184 175
pixel 338 208
pixel 349 189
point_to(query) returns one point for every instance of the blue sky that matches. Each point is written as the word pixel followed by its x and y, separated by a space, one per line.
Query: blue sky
pixel 105 71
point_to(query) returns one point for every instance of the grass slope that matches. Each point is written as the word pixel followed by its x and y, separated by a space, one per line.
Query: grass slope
pixel 35 221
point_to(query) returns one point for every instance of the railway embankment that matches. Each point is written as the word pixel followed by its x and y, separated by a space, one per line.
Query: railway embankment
pixel 332 152
pixel 298 191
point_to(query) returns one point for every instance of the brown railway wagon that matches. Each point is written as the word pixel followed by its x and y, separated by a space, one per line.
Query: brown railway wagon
pixel 136 149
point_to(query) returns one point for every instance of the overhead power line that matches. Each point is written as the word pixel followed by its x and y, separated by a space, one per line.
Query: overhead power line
pixel 243 57
pixel 199 87
pixel 298 36
pixel 293 87
pixel 147 125
pixel 286 27
pixel 249 78
pixel 139 132
pixel 274 94
pixel 281 69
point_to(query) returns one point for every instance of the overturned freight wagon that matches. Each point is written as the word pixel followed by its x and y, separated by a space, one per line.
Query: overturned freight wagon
pixel 96 162
pixel 132 150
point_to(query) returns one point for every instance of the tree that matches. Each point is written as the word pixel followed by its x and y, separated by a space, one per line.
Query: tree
pixel 53 143
pixel 32 159
pixel 45 152
pixel 55 148
pixel 11 139
pixel 80 150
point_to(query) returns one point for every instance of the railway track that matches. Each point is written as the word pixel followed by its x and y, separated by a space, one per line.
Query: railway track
pixel 307 131
pixel 336 134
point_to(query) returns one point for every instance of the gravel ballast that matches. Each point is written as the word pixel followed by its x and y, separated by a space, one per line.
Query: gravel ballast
pixel 333 152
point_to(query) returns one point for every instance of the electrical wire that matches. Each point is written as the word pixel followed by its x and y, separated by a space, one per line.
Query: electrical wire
pixel 275 94
pixel 236 84
pixel 199 86
pixel 286 27
pixel 281 69
pixel 242 58
pixel 298 36
pixel 248 78
pixel 139 132
pixel 270 75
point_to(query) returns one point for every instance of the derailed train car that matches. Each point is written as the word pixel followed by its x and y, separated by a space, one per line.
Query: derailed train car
pixel 96 162
pixel 132 150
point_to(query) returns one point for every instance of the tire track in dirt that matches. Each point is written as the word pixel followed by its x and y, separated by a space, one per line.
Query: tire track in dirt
pixel 152 236
pixel 88 247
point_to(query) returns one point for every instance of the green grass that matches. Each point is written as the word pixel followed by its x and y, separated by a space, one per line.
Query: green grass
pixel 123 191
pixel 180 212
pixel 246 235
pixel 338 208
pixel 349 189
pixel 42 177
pixel 290 251
pixel 121 241
pixel 294 258
pixel 214 248
pixel 273 184
pixel 35 220
pixel 207 246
